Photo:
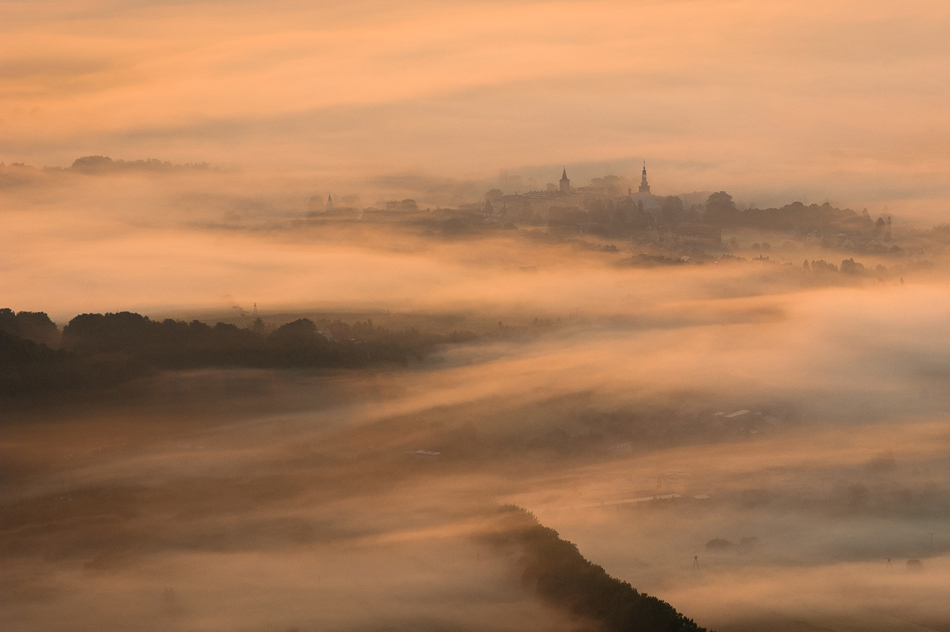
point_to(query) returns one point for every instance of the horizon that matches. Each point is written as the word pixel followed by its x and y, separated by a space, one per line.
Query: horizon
pixel 418 182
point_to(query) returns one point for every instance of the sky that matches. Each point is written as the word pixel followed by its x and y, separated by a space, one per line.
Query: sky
pixel 816 101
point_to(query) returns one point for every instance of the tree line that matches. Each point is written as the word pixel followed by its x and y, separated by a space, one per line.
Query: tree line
pixel 96 350
pixel 721 210
pixel 561 577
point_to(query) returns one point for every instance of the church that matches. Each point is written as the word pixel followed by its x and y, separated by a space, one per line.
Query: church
pixel 643 199
pixel 640 210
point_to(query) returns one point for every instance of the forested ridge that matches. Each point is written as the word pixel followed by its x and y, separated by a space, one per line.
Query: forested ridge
pixel 98 350
pixel 561 577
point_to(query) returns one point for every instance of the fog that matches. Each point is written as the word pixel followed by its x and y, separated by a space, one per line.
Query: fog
pixel 760 447
pixel 204 238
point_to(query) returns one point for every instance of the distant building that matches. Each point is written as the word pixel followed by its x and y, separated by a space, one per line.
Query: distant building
pixel 565 182
pixel 635 214
pixel 329 203
pixel 569 206
pixel 644 186
pixel 644 200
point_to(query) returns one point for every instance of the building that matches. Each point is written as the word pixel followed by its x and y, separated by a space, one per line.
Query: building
pixel 643 199
pixel 565 182
pixel 640 210
pixel 644 186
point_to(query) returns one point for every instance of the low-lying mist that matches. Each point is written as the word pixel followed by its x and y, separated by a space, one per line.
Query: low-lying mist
pixel 760 445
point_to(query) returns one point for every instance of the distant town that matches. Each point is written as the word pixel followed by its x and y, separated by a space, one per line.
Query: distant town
pixel 612 214
pixel 674 229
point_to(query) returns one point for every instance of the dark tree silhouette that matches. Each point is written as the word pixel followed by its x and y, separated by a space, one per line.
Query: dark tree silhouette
pixel 850 266
pixel 562 578
pixel 721 210
pixel 105 349
pixel 672 212
pixel 35 326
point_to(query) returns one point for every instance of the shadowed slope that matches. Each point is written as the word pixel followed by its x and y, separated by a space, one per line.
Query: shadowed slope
pixel 562 578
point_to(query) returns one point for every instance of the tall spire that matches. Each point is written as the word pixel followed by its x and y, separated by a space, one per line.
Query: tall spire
pixel 565 182
pixel 644 186
pixel 329 202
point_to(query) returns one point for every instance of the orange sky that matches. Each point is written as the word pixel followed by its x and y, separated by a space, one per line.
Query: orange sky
pixel 839 101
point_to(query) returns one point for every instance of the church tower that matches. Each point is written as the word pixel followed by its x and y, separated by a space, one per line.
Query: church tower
pixel 329 202
pixel 565 182
pixel 644 187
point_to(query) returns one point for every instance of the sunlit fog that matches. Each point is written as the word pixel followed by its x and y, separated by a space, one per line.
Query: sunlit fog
pixel 402 316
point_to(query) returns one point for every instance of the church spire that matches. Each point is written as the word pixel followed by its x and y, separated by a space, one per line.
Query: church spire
pixel 644 186
pixel 565 182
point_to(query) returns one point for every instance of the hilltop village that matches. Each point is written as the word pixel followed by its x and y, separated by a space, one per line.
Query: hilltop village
pixel 610 214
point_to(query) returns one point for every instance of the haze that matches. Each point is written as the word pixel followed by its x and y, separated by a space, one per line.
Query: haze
pixel 816 101
pixel 322 317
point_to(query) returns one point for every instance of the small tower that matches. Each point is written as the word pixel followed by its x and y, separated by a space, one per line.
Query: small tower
pixel 644 187
pixel 257 323
pixel 565 182
pixel 329 202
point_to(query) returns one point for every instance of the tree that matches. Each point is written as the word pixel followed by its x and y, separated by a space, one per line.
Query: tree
pixel 493 195
pixel 299 332
pixel 35 326
pixel 721 210
pixel 820 265
pixel 108 333
pixel 671 211
pixel 850 266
